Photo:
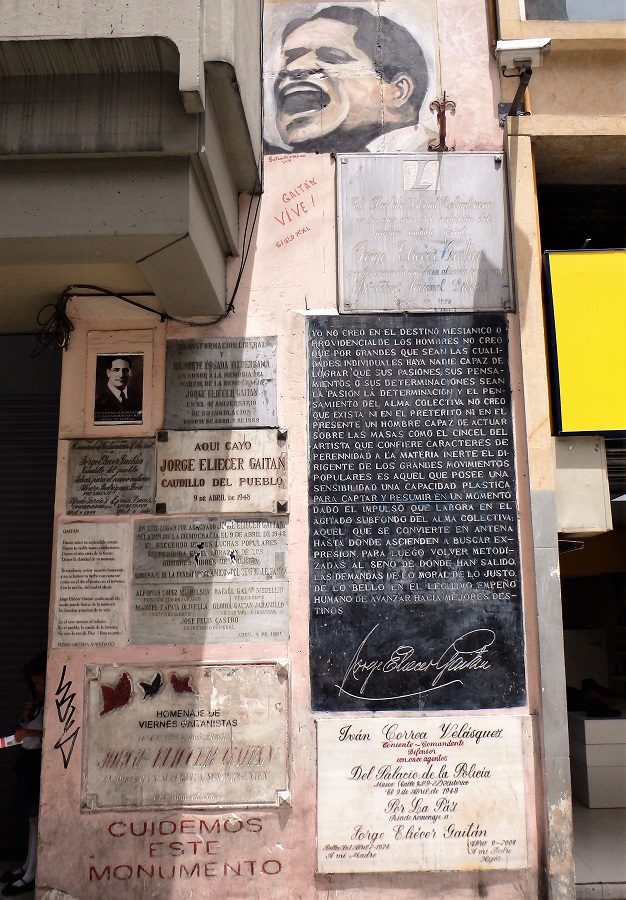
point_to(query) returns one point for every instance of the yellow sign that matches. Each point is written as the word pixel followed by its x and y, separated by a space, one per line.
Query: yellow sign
pixel 588 300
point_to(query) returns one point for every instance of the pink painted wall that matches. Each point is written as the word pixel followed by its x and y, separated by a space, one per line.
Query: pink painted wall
pixel 469 75
pixel 291 271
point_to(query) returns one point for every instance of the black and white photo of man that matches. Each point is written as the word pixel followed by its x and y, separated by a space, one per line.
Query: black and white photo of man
pixel 119 389
pixel 349 81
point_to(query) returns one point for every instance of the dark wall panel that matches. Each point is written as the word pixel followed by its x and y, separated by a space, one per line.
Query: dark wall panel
pixel 29 412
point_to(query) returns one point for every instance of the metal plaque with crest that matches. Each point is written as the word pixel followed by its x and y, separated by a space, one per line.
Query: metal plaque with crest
pixel 423 233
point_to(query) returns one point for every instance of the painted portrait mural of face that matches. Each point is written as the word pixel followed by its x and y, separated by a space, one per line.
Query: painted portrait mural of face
pixel 348 80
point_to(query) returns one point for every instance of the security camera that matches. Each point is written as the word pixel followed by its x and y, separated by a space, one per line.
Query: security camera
pixel 524 54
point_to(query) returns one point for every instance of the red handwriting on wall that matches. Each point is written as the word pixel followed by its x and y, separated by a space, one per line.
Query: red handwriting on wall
pixel 286 158
pixel 298 201
pixel 204 858
pixel 126 872
pixel 291 237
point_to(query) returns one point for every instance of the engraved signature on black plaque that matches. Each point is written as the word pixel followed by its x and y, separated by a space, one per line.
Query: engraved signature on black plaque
pixel 466 653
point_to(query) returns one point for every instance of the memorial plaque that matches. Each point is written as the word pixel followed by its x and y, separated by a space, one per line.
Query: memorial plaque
pixel 209 580
pixel 111 476
pixel 414 555
pixel 221 381
pixel 426 232
pixel 222 471
pixel 185 736
pixel 421 794
pixel 92 562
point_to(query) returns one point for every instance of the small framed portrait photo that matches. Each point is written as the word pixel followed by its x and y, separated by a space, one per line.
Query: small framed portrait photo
pixel 119 389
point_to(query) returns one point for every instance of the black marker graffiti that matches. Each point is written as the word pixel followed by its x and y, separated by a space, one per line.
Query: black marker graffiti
pixel 66 712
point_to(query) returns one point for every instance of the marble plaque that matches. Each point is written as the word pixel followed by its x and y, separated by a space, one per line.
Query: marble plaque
pixel 421 794
pixel 185 736
pixel 209 580
pixel 92 562
pixel 222 471
pixel 414 566
pixel 111 476
pixel 227 381
pixel 425 232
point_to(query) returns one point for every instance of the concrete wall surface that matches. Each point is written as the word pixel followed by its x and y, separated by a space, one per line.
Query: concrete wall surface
pixel 253 852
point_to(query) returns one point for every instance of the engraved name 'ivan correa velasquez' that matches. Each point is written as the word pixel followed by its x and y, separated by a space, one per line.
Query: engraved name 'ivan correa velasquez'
pixel 366 676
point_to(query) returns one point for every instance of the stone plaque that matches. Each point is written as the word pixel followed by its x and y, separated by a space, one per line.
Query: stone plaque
pixel 92 561
pixel 421 794
pixel 209 580
pixel 221 382
pixel 185 736
pixel 414 555
pixel 222 471
pixel 420 233
pixel 111 476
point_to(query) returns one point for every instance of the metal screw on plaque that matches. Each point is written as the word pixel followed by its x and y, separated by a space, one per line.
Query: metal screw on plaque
pixel 282 670
pixel 281 507
pixel 161 509
pixel 163 437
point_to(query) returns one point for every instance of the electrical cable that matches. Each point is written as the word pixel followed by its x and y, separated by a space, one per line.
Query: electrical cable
pixel 244 258
pixel 57 327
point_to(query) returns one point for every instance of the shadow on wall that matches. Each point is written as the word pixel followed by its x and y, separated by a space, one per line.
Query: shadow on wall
pixel 29 411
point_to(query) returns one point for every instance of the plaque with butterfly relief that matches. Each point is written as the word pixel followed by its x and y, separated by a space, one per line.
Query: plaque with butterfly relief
pixel 180 735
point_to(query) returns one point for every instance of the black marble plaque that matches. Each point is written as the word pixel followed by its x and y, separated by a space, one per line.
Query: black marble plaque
pixel 414 553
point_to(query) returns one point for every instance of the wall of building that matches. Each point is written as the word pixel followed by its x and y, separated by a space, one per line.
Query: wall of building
pixel 273 850
pixel 561 143
pixel 91 848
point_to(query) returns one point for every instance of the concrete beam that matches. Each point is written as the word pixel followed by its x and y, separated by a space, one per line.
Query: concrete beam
pixel 151 212
pixel 179 21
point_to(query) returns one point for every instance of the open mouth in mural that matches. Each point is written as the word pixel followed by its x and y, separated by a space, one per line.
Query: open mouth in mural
pixel 301 97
